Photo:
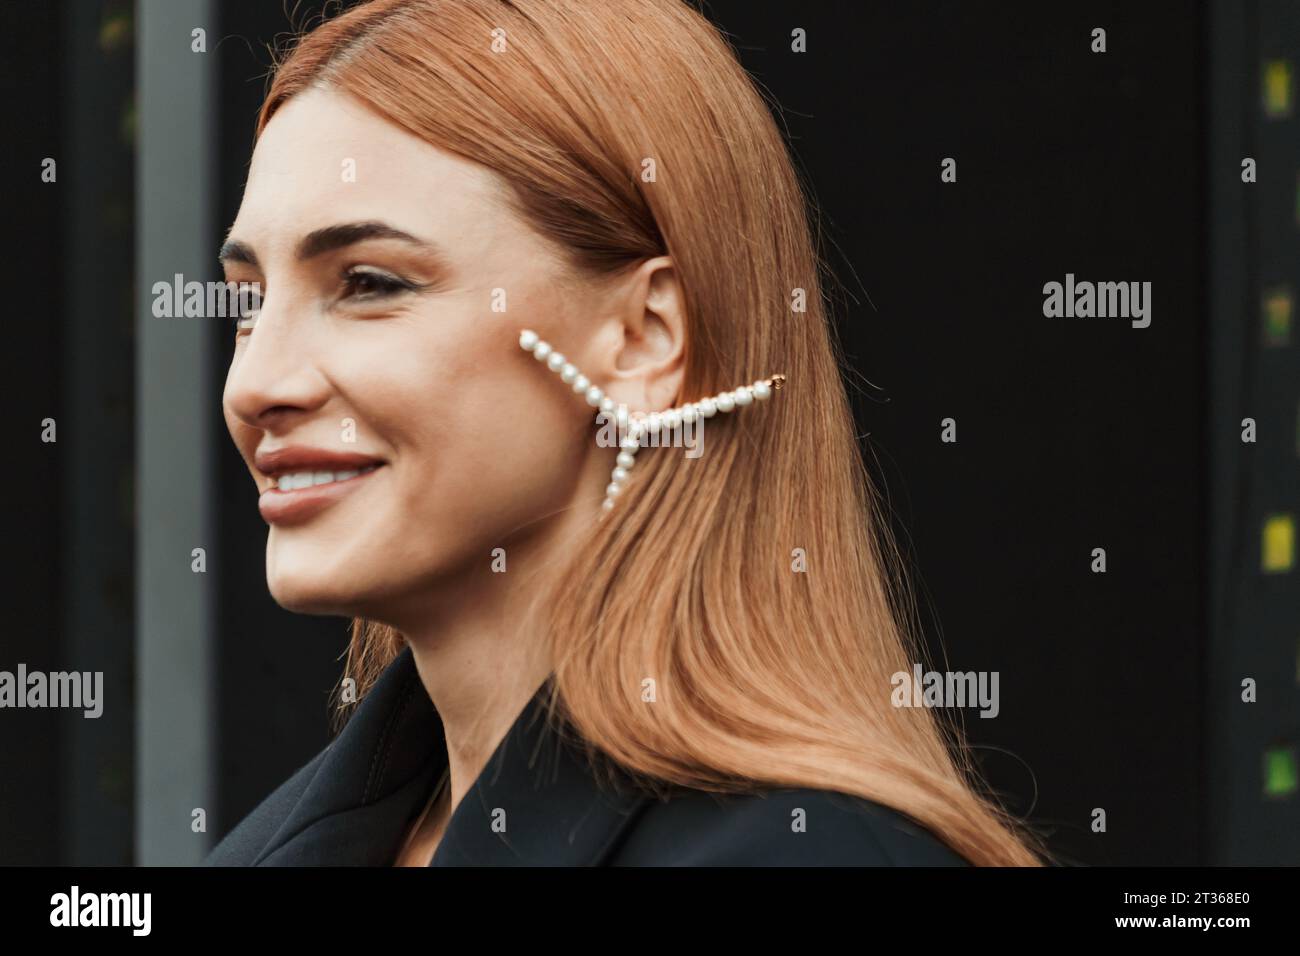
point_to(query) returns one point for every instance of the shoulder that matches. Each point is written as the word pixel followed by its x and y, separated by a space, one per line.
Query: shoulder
pixel 788 827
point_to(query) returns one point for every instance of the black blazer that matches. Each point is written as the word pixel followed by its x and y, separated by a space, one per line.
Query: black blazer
pixel 539 801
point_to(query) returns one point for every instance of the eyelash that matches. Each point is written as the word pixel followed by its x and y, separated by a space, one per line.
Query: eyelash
pixel 385 284
pixel 240 316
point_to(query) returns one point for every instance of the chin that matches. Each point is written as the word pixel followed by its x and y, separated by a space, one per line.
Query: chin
pixel 310 596
pixel 301 581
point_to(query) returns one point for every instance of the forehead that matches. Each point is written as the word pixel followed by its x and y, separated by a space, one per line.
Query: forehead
pixel 324 158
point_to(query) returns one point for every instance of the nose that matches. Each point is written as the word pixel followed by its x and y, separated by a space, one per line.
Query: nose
pixel 274 378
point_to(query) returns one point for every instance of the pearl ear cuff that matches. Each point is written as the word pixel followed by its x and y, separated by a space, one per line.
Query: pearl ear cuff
pixel 639 425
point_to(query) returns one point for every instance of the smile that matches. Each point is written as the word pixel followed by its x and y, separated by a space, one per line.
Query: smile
pixel 310 479
pixel 303 482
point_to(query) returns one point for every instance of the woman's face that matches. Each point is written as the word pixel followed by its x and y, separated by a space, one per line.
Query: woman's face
pixel 380 393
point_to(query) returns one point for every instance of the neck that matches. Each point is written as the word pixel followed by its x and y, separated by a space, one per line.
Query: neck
pixel 479 649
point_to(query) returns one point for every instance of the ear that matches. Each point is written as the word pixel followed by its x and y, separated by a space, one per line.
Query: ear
pixel 648 341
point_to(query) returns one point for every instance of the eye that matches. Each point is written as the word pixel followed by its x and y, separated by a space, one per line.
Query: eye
pixel 245 306
pixel 365 284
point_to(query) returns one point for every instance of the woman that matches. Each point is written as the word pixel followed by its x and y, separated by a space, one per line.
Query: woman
pixel 690 664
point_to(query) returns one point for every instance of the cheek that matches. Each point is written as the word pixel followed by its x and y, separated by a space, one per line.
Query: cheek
pixel 467 453
pixel 482 447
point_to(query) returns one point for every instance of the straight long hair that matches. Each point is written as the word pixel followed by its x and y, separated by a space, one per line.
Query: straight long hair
pixel 756 589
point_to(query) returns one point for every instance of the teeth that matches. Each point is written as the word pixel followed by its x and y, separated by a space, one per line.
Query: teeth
pixel 307 479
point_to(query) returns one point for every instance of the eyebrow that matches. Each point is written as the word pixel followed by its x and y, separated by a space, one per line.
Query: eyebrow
pixel 328 239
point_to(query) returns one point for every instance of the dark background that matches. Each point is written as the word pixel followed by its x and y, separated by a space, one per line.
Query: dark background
pixel 1119 690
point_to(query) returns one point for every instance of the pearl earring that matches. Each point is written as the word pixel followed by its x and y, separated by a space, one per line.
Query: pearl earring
pixel 640 424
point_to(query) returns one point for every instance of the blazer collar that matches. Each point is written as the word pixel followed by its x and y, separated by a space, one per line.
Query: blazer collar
pixel 538 801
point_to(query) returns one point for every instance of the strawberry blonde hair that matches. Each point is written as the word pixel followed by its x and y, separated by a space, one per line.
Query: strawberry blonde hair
pixel 765 677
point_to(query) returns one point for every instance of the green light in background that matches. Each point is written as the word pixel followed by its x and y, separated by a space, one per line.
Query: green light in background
pixel 1278 307
pixel 1281 776
pixel 1277 89
pixel 1277 553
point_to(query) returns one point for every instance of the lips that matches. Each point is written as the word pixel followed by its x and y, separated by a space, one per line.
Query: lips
pixel 305 481
pixel 299 458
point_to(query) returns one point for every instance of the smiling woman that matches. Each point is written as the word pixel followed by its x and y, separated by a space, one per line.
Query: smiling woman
pixel 535 685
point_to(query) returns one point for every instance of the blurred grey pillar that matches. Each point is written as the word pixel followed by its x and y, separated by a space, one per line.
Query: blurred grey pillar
pixel 175 722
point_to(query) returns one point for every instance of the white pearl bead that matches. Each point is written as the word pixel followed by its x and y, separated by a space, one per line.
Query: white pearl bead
pixel 630 442
pixel 619 474
pixel 690 413
pixel 581 383
pixel 762 390
pixel 726 402
pixel 625 459
pixel 555 362
pixel 708 407
pixel 607 504
pixel 613 489
pixel 541 350
pixel 744 396
pixel 595 396
pixel 528 340
pixel 607 405
pixel 654 423
pixel 569 372
pixel 672 419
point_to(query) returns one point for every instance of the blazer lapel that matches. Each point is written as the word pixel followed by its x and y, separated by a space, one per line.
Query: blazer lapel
pixel 538 802
pixel 361 791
